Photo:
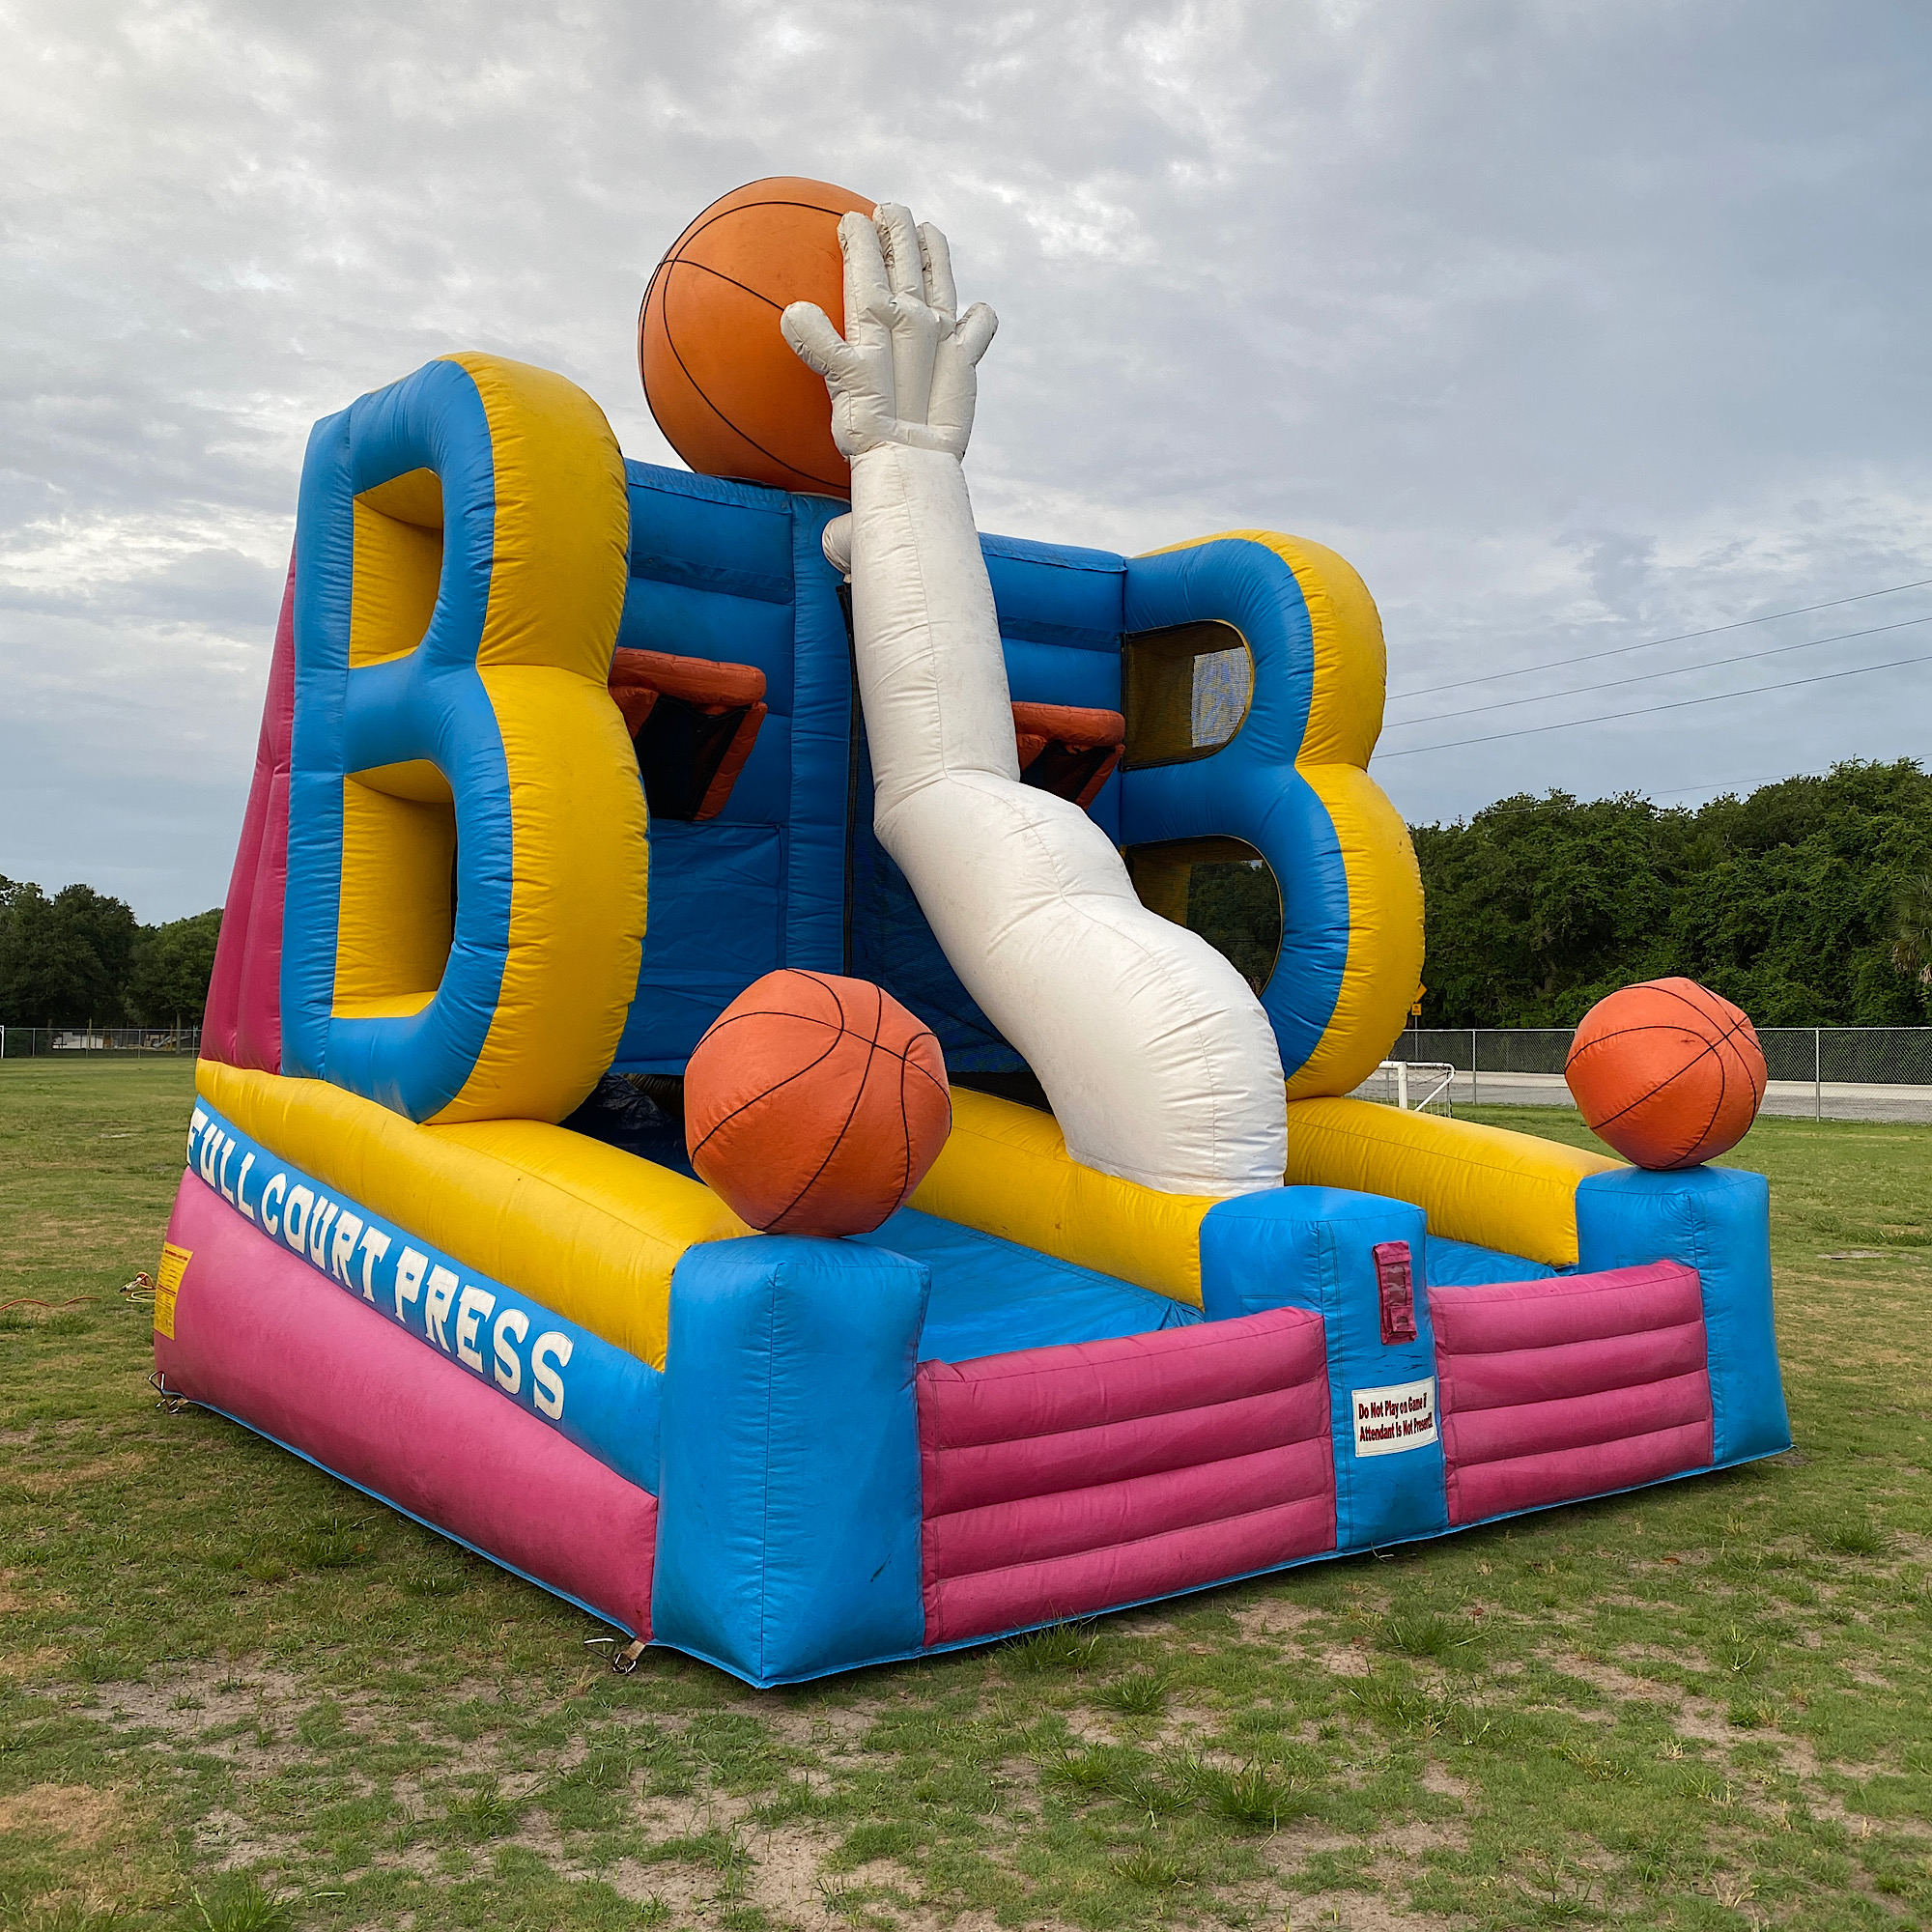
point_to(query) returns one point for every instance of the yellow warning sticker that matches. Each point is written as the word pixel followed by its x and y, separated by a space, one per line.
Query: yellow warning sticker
pixel 168 1285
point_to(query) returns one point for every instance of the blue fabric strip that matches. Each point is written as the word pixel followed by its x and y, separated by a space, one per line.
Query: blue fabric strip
pixel 667 482
pixel 325 573
pixel 1030 631
pixel 712 576
pixel 1057 557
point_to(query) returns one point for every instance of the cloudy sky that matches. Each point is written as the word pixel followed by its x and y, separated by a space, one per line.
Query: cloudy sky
pixel 1572 325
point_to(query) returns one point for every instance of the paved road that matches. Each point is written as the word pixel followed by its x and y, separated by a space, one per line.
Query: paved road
pixel 1838 1100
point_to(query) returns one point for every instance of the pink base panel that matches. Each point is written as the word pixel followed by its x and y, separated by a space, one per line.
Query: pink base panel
pixel 1062 1481
pixel 1570 1388
pixel 257 1333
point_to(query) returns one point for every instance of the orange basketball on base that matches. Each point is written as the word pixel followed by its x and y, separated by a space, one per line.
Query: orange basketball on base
pixel 1668 1072
pixel 815 1104
pixel 729 393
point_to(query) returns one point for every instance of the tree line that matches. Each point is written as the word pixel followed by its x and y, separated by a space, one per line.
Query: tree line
pixel 1808 903
pixel 77 956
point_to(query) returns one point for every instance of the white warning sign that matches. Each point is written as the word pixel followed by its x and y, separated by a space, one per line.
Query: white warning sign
pixel 1389 1420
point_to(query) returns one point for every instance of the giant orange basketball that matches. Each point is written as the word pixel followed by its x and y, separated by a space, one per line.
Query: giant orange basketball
pixel 815 1104
pixel 729 393
pixel 1667 1072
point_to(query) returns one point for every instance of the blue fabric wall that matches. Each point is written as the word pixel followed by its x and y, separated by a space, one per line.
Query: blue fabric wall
pixel 1716 1219
pixel 1311 1247
pixel 732 572
pixel 789 1515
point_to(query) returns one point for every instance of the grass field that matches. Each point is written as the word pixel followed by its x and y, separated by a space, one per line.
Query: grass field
pixel 234 1693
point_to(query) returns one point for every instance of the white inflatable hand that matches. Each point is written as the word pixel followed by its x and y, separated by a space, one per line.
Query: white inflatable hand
pixel 903 371
pixel 1159 1062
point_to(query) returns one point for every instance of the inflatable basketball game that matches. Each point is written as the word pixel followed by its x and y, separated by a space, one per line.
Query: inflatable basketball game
pixel 712 1092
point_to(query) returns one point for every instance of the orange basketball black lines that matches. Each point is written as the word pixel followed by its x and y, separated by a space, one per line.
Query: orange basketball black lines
pixel 799 1107
pixel 727 390
pixel 1668 1072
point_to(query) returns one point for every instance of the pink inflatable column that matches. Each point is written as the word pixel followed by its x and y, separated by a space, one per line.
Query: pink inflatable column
pixel 243 1025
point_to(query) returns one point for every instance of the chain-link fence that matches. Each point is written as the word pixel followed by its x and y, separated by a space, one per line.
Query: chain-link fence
pixel 88 1041
pixel 1825 1073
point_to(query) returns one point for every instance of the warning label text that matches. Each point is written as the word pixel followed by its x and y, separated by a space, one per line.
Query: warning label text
pixel 1388 1420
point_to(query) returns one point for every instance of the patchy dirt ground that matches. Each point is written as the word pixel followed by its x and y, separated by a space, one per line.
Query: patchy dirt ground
pixel 235 1695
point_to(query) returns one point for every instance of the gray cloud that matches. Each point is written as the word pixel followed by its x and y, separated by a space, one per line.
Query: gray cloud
pixel 1568 325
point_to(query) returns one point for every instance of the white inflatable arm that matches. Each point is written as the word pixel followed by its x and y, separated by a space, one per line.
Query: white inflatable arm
pixel 1160 1065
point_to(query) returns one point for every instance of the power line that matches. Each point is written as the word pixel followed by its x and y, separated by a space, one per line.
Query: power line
pixel 1719 787
pixel 1725 785
pixel 1682 637
pixel 1652 676
pixel 1651 710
